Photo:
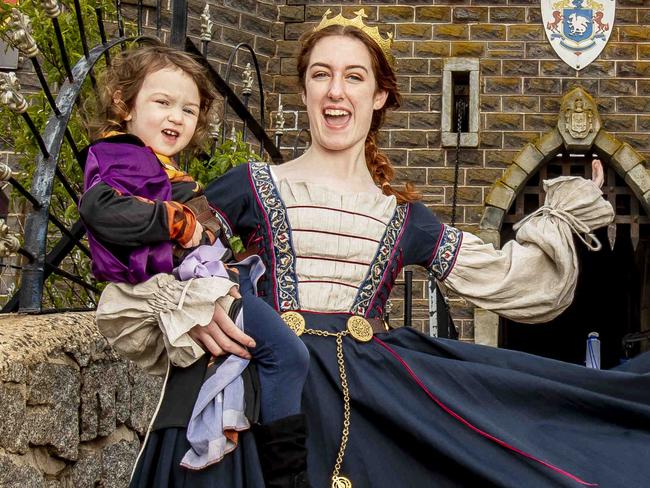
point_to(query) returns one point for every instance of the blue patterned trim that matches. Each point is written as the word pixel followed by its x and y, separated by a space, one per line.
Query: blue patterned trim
pixel 286 281
pixel 444 257
pixel 224 223
pixel 375 275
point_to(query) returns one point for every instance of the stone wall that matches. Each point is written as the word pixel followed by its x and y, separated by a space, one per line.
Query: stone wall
pixel 521 83
pixel 72 415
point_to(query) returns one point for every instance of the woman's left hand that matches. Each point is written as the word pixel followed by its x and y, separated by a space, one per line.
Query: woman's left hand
pixel 597 173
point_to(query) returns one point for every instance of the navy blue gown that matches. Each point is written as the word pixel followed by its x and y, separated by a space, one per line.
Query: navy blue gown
pixel 424 412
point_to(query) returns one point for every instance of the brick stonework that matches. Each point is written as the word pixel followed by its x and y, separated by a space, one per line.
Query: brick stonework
pixel 522 82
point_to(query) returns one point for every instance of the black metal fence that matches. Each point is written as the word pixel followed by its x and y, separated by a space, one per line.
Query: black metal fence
pixel 48 241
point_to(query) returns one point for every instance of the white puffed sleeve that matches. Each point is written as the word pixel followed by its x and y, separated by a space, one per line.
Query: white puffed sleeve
pixel 533 278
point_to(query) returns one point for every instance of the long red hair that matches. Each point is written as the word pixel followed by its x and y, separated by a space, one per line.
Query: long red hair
pixel 379 165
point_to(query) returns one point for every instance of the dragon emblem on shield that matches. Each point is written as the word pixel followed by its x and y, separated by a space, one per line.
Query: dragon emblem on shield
pixel 578 29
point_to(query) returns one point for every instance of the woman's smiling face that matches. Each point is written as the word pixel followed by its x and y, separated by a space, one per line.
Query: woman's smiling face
pixel 340 93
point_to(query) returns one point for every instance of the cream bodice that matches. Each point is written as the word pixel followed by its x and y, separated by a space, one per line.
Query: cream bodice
pixel 335 238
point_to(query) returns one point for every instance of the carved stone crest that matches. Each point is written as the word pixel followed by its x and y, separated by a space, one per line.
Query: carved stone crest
pixel 578 119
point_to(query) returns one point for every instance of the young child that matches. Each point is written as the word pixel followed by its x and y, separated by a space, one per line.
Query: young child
pixel 145 218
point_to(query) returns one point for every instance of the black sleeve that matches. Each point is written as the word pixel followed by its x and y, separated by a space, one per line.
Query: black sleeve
pixel 123 220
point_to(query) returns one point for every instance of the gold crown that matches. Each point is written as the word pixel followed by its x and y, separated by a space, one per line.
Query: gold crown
pixel 372 32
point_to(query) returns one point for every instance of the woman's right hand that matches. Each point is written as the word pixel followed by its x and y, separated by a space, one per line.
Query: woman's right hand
pixel 221 336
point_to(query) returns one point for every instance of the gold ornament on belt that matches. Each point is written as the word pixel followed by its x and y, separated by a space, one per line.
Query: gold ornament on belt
pixel 295 321
pixel 372 32
pixel 359 328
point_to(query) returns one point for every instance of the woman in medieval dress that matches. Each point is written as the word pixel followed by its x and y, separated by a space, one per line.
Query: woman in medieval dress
pixel 390 408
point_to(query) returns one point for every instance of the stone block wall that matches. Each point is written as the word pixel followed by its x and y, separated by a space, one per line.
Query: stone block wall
pixel 72 414
pixel 521 84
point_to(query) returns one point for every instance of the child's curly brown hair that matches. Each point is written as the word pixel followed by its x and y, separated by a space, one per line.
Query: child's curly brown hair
pixel 123 80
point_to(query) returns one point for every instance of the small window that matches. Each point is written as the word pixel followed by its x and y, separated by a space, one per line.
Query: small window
pixel 460 102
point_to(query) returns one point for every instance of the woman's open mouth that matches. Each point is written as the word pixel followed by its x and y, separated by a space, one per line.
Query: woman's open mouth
pixel 336 118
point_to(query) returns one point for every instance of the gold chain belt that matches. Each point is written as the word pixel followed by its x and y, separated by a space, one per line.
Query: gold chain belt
pixel 360 329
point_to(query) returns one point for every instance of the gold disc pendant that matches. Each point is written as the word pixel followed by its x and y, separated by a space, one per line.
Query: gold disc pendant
pixel 295 321
pixel 341 482
pixel 359 328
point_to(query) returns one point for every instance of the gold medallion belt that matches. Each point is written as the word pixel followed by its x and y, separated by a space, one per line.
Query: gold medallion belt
pixel 360 329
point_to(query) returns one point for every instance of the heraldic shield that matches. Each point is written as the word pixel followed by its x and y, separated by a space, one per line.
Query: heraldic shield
pixel 578 29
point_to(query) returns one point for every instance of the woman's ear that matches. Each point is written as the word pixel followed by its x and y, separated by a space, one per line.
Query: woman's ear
pixel 303 96
pixel 379 99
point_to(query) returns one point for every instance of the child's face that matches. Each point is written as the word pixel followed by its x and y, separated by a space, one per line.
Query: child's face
pixel 165 111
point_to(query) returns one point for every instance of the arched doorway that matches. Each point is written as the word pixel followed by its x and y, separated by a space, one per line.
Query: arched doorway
pixel 612 282
pixel 613 295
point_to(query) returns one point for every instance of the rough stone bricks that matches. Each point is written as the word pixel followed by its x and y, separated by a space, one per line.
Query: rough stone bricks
pixel 503 85
pixel 540 50
pixel 396 13
pixel 488 32
pixel 490 67
pixel 468 49
pixel 500 196
pixel 255 25
pixel 643 122
pixel 499 158
pixel 426 157
pixel 18 475
pixel 12 417
pixel 465 195
pixel 626 158
pixel 625 16
pixel 491 140
pixel 424 120
pixel 525 33
pixel 432 49
pixel 426 84
pixel 413 31
pixel 264 46
pixel 618 50
pixel 482 176
pixel 396 120
pixel 633 69
pixel 515 140
pixel 486 327
pixel 412 66
pixel 283 84
pixel 293 31
pixel 450 31
pixel 550 142
pixel 470 14
pixel 117 463
pixel 402 49
pixel 529 159
pixel 633 104
pixel 408 138
pixel 291 13
pixel 507 15
pixel 314 13
pixel 634 33
pixel 397 157
pixel 520 104
pixel 617 87
pixel 619 123
pixel 514 176
pixel 520 68
pixel 289 66
pixel 500 121
pixel 432 14
pixel 52 417
pixel 489 103
pixel 607 143
pixel 87 471
pixel 145 392
pixel 414 103
pixel 235 36
pixel 439 176
pixel 541 86
pixel 639 180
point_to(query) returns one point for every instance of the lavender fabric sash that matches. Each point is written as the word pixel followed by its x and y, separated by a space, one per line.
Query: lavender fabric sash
pixel 220 404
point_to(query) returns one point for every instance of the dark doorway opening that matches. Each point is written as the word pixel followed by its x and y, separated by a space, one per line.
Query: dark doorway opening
pixel 612 289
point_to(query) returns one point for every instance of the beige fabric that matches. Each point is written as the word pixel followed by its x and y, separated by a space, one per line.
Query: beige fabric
pixel 148 322
pixel 533 278
pixel 319 245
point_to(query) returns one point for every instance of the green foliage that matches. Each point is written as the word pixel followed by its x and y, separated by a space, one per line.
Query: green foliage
pixel 18 138
pixel 225 156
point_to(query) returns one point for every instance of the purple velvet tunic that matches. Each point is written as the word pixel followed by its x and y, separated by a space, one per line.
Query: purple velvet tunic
pixel 132 170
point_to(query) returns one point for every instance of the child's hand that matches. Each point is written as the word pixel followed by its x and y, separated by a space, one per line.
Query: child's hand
pixel 196 237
